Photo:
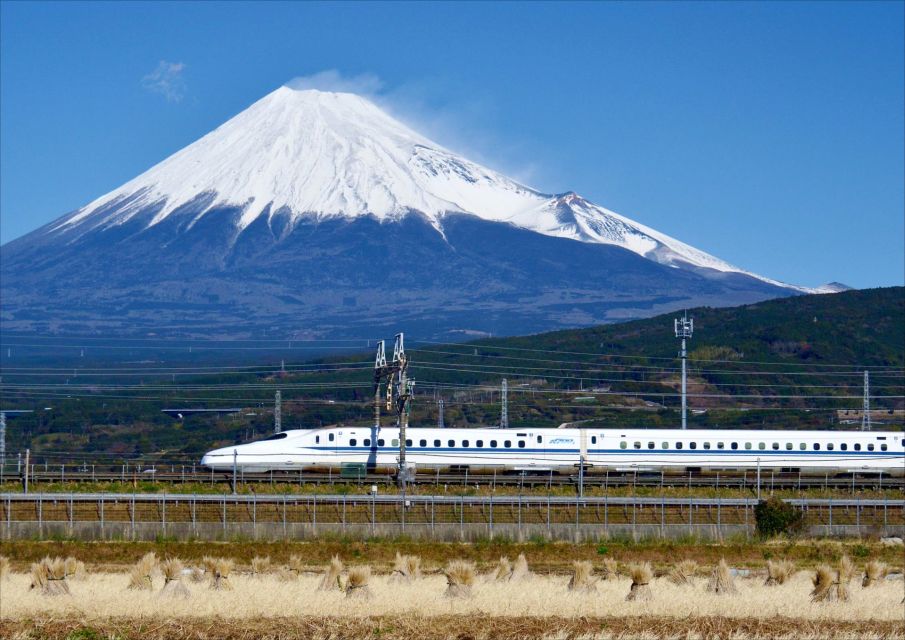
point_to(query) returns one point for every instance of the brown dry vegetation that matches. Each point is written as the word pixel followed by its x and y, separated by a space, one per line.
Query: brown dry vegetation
pixel 381 554
pixel 442 627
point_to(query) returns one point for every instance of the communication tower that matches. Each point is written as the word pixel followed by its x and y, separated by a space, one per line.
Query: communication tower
pixel 684 327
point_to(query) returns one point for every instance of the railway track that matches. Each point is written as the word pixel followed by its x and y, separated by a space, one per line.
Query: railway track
pixel 187 474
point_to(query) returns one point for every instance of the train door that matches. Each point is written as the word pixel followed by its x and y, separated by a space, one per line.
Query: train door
pixel 582 446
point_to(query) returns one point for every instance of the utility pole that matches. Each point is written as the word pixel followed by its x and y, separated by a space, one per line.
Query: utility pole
pixel 2 441
pixel 504 414
pixel 277 412
pixel 440 423
pixel 865 411
pixel 398 395
pixel 684 327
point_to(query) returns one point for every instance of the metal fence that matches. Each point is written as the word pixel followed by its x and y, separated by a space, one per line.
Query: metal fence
pixel 99 516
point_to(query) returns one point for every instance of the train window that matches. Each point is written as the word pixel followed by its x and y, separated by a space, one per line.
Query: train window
pixel 380 442
pixel 408 442
pixel 857 446
pixel 593 439
pixel 367 442
pixel 637 445
pixel 317 439
pixel 816 446
pixel 521 444
pixel 623 445
pixel 465 443
pixel 802 445
pixel 706 445
pixel 870 447
pixel 479 443
pixel 666 445
pixel 451 443
pixel 678 445
pixel 331 437
pixel 761 445
pixel 720 445
pixel 395 442
pixel 693 445
pixel 734 446
pixel 276 436
pixel 747 445
pixel 883 447
pixel 775 446
pixel 507 444
pixel 437 443
pixel 493 444
pixel 830 446
pixel 650 445
pixel 843 446
pixel 353 442
pixel 422 443
pixel 788 446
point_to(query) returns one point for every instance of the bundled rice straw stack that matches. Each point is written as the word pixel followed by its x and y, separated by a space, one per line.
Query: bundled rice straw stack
pixel 4 567
pixel 75 569
pixel 49 577
pixel 406 568
pixel 140 575
pixel 260 566
pixel 502 571
pixel 292 570
pixel 778 572
pixel 721 581
pixel 683 572
pixel 460 577
pixel 831 586
pixel 873 572
pixel 610 569
pixel 332 579
pixel 357 584
pixel 520 570
pixel 173 586
pixel 641 576
pixel 220 570
pixel 582 580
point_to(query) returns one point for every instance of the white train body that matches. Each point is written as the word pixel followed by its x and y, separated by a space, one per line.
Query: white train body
pixel 561 450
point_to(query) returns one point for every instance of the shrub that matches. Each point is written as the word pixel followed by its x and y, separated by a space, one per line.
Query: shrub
pixel 774 516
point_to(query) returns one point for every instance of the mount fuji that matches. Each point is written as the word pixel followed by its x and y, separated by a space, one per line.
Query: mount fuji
pixel 317 214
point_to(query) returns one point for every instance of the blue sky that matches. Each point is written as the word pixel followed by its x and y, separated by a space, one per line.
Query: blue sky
pixel 770 135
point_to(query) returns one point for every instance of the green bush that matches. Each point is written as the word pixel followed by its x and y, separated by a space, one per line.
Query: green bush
pixel 774 517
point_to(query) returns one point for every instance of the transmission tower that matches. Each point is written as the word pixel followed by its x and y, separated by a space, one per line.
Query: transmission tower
pixel 865 411
pixel 440 423
pixel 504 414
pixel 684 327
pixel 277 412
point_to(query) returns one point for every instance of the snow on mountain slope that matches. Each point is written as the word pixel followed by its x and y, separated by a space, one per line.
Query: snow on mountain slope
pixel 326 155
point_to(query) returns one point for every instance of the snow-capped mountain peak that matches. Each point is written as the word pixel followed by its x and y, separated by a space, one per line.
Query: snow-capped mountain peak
pixel 316 154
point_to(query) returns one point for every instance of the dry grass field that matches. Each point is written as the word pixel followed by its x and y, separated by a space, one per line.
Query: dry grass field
pixel 100 605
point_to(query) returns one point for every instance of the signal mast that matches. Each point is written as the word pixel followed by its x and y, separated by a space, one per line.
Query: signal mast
pixel 684 327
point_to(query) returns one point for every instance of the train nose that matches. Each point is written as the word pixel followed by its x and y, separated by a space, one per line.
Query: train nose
pixel 217 459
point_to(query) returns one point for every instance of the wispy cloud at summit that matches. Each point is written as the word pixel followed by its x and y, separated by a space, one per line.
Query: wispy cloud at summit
pixel 167 80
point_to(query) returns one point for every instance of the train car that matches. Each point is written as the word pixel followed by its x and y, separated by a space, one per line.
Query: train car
pixel 564 450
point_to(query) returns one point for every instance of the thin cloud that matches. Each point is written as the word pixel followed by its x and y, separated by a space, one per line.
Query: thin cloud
pixel 167 80
pixel 366 84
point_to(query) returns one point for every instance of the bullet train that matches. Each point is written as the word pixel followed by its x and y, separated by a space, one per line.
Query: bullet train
pixel 562 450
